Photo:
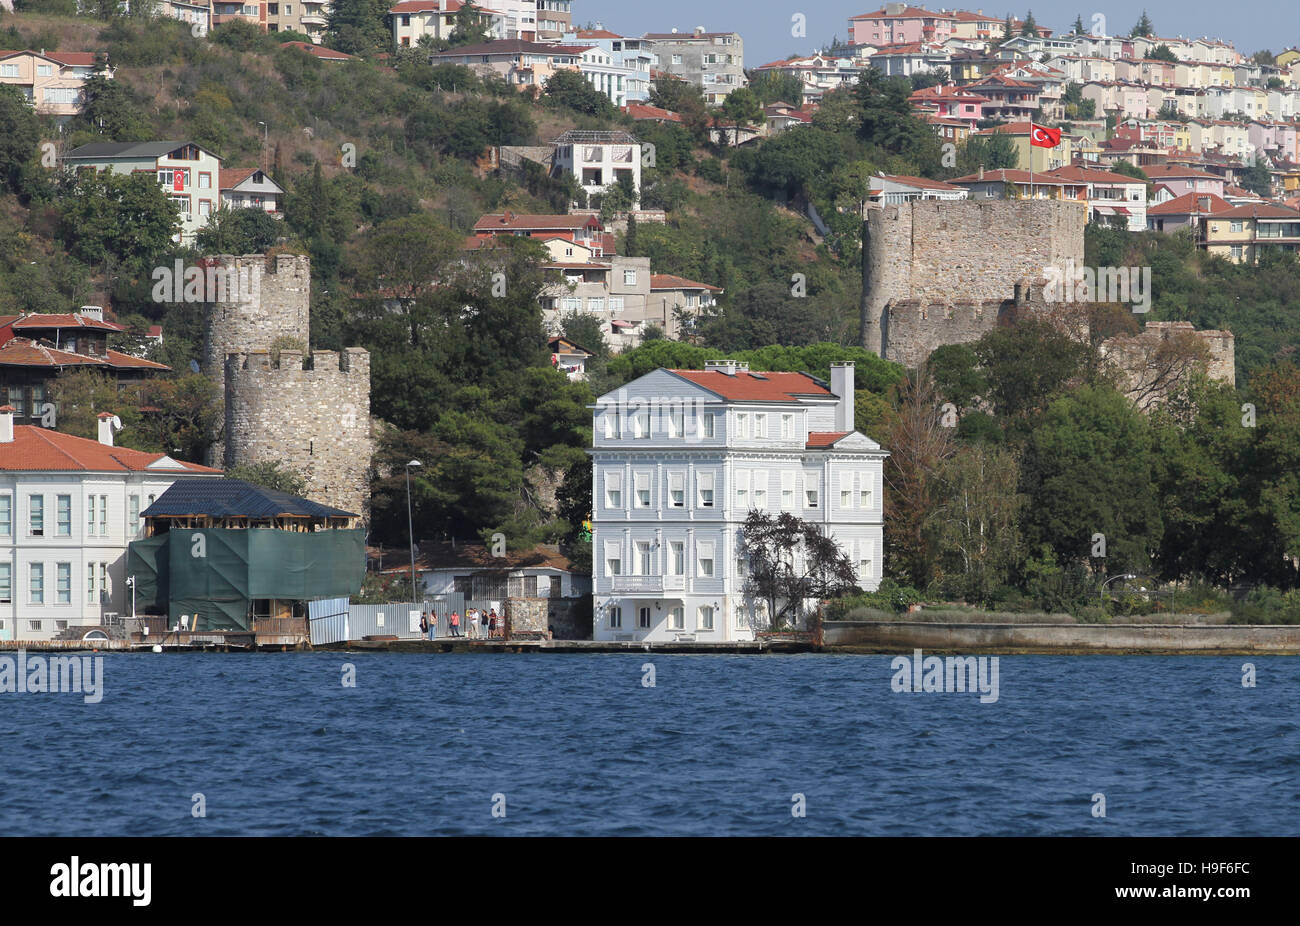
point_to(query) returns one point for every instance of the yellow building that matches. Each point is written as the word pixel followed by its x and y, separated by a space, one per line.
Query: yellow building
pixel 1032 157
pixel 1242 234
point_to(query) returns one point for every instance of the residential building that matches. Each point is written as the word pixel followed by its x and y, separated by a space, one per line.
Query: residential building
pixel 1182 180
pixel 897 188
pixel 68 509
pixel 1113 199
pixel 679 460
pixel 195 12
pixel 1007 98
pixel 1185 211
pixel 412 20
pixel 599 160
pixel 53 82
pixel 912 58
pixel 631 56
pixel 320 51
pixel 818 74
pixel 1021 184
pixel 554 19
pixel 36 349
pixel 569 357
pixel 188 172
pixel 471 570
pixel 713 61
pixel 1243 233
pixel 898 24
pixel 527 65
pixel 1033 157
pixel 584 231
pixel 250 188
pixel 950 102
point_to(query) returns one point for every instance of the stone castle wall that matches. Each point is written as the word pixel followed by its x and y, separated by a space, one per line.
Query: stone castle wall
pixel 314 421
pixel 946 253
pixel 282 308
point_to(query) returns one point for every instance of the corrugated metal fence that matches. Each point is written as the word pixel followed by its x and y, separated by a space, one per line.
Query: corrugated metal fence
pixel 336 620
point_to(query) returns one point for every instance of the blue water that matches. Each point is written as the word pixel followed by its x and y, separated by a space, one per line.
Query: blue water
pixel 577 745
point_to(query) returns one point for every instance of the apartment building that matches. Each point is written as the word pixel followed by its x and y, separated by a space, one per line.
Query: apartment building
pixel 68 509
pixel 631 58
pixel 412 20
pixel 1243 233
pixel 899 23
pixel 817 74
pixel 679 460
pixel 713 61
pixel 189 173
pixel 1113 199
pixel 526 65
pixel 554 18
pixel 53 82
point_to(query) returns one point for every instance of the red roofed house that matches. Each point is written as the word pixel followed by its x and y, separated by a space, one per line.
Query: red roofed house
pixel 950 102
pixel 68 509
pixel 319 51
pixel 250 188
pixel 1185 211
pixel 679 460
pixel 51 81
pixel 1113 199
pixel 1241 234
pixel 897 188
pixel 35 349
pixel 585 230
pixel 412 20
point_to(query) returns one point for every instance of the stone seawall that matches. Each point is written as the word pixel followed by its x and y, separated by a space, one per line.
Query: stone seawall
pixel 1166 639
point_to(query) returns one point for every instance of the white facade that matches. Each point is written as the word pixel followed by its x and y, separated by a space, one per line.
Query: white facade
pixel 598 159
pixel 64 536
pixel 679 460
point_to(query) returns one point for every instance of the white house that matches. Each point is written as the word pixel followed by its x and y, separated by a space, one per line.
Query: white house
pixel 68 508
pixel 680 458
pixel 598 160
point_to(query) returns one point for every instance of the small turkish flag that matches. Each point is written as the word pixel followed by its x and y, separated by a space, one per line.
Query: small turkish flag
pixel 178 180
pixel 1043 137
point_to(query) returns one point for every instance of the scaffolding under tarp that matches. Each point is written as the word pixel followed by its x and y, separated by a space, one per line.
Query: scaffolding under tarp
pixel 213 574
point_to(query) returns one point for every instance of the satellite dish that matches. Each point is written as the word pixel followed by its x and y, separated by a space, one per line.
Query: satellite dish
pixel 194 366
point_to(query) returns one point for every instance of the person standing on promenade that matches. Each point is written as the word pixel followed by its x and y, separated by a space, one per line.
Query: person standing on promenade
pixel 424 623
pixel 471 623
pixel 455 624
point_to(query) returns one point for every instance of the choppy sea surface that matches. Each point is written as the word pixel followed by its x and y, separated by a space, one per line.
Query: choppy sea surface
pixel 720 745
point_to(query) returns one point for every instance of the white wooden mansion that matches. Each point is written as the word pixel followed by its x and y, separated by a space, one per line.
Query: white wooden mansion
pixel 680 457
pixel 68 509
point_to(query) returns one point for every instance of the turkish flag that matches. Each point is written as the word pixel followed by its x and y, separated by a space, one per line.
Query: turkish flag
pixel 178 180
pixel 1043 137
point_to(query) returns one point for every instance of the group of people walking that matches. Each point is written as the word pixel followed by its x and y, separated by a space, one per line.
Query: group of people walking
pixel 476 623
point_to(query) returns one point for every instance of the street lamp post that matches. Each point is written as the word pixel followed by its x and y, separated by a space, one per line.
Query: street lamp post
pixel 1126 575
pixel 410 528
pixel 262 159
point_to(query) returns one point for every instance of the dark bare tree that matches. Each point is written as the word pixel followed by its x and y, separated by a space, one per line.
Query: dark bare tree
pixel 790 563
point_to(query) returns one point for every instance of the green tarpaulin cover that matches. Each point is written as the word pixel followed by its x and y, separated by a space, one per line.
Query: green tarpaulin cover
pixel 214 572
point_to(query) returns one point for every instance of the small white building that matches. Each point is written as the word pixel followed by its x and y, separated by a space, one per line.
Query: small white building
pixel 599 160
pixel 250 188
pixel 681 457
pixel 68 509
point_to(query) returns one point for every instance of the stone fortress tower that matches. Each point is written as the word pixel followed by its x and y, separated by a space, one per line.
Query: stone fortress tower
pixel 311 413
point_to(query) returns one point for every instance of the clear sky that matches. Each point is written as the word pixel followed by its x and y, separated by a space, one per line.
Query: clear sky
pixel 766 25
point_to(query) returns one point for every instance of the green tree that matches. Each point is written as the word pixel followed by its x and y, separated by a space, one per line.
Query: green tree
pixel 787 584
pixel 357 27
pixel 573 91
pixel 887 122
pixel 1162 52
pixel 1143 27
pixel 992 152
pixel 1078 28
pixel 126 217
pixel 774 87
pixel 239 231
pixel 1088 471
pixel 19 134
pixel 1029 27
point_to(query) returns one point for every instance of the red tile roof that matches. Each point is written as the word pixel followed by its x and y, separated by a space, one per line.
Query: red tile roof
pixel 24 352
pixel 56 320
pixel 1173 171
pixel 668 281
pixel 644 111
pixel 509 221
pixel 818 439
pixel 319 51
pixel 232 177
pixel 1089 175
pixel 41 449
pixel 1189 204
pixel 909 12
pixel 1014 176
pixel 1259 211
pixel 761 387
pixel 919 182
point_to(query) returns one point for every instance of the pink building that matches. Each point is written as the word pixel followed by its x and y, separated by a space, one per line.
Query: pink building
pixel 950 102
pixel 1182 180
pixel 898 24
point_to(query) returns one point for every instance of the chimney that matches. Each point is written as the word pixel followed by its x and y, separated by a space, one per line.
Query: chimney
pixel 1205 204
pixel 108 423
pixel 92 311
pixel 728 367
pixel 842 386
pixel 6 424
pixel 981 174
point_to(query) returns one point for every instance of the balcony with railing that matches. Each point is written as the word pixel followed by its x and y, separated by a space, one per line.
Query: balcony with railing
pixel 636 584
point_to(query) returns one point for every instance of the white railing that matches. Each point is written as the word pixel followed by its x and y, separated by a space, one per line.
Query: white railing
pixel 637 583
